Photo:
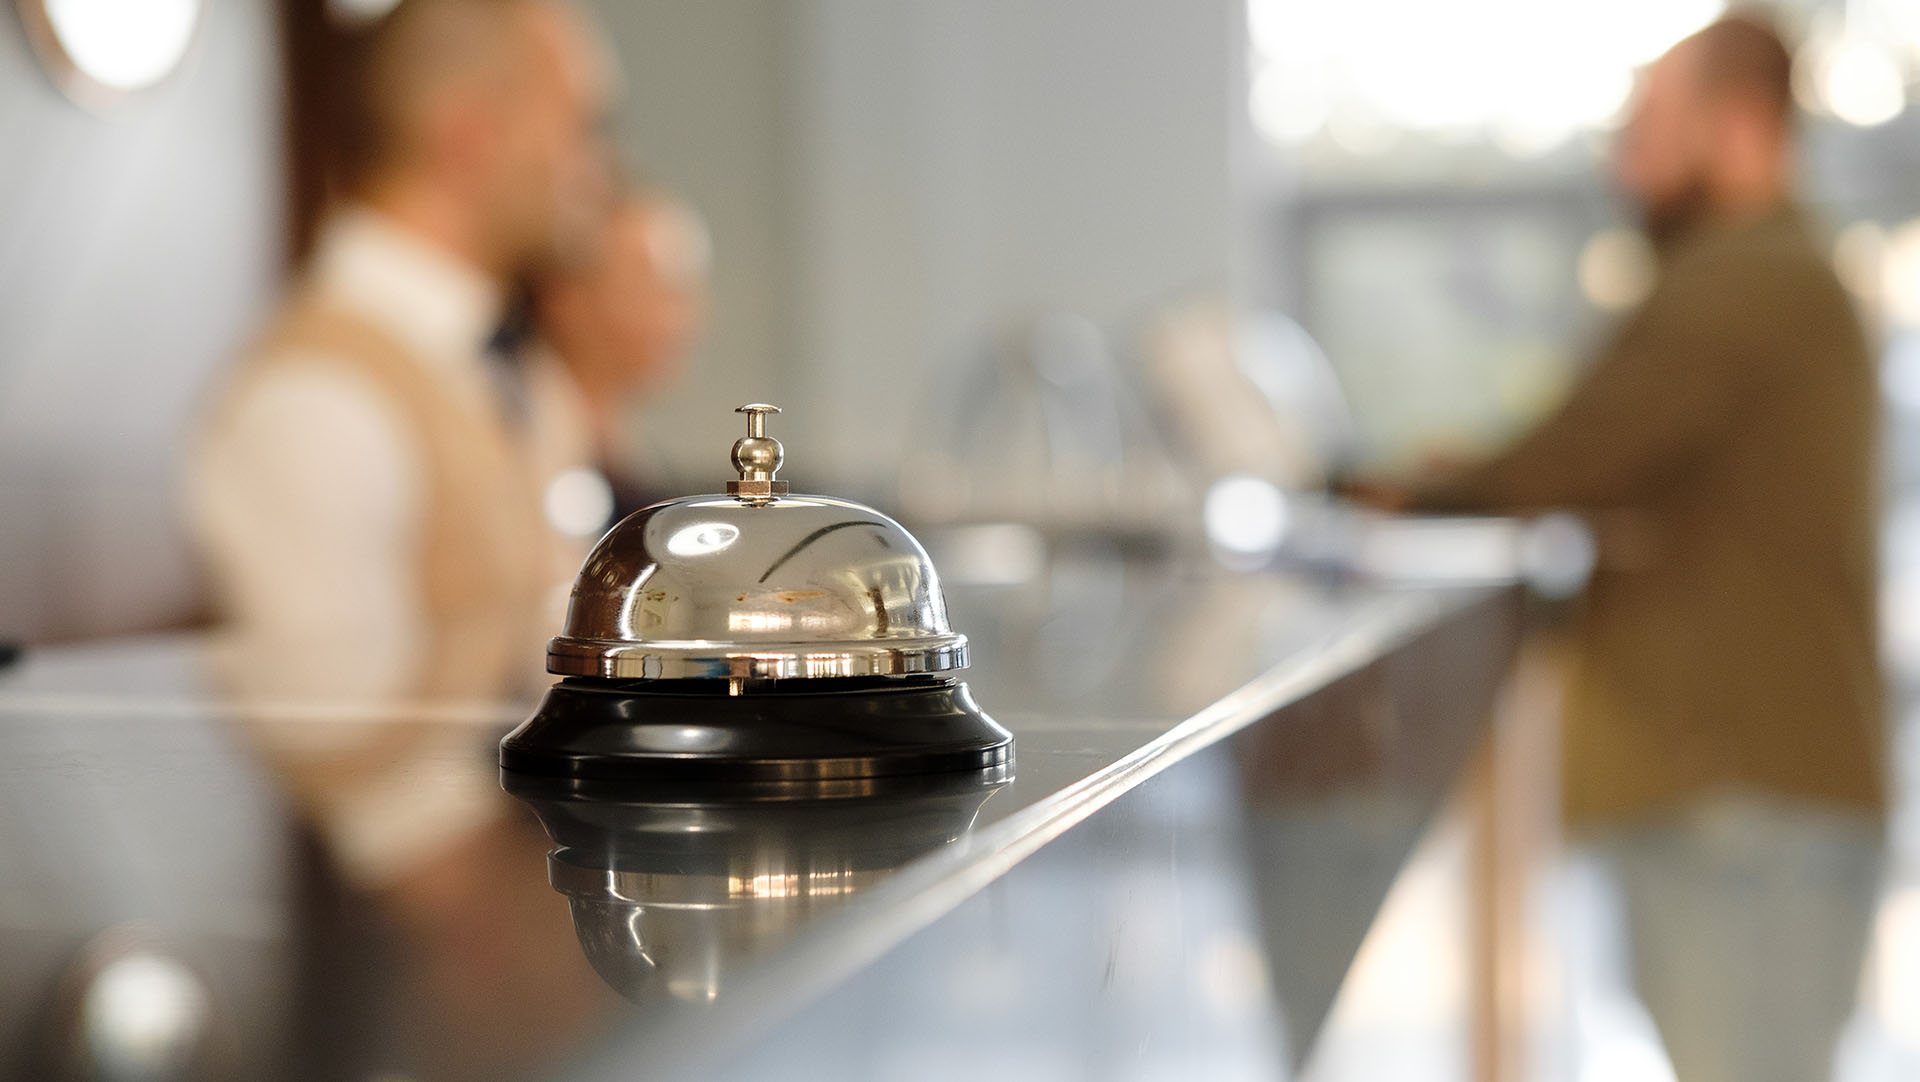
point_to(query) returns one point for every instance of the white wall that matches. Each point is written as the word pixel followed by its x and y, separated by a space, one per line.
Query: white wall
pixel 892 182
pixel 969 164
pixel 136 249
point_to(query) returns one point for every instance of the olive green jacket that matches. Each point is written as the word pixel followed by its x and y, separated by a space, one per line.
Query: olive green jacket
pixel 1725 445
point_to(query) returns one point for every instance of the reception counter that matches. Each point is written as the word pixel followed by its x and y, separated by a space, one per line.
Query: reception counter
pixel 299 861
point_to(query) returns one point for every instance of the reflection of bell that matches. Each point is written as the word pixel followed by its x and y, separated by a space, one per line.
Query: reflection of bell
pixel 672 892
pixel 756 635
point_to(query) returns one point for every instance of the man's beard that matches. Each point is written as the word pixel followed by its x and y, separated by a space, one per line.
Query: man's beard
pixel 1676 215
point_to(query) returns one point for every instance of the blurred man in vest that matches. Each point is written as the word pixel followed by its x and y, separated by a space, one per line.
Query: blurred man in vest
pixel 1724 740
pixel 378 465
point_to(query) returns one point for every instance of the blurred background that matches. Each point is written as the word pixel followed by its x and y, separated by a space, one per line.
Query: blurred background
pixel 888 190
pixel 1138 268
pixel 912 211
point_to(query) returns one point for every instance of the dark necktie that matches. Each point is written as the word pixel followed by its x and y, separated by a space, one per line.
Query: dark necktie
pixel 505 353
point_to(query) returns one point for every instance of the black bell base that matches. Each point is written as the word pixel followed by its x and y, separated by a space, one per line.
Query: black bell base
pixel 812 731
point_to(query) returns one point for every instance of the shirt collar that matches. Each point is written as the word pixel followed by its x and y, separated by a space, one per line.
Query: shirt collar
pixel 442 308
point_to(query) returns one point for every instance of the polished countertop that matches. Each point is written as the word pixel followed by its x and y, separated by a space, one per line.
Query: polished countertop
pixel 306 850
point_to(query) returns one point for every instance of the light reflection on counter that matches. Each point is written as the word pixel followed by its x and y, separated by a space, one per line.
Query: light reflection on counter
pixel 673 889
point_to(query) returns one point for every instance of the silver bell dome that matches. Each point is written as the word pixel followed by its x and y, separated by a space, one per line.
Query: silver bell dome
pixel 756 584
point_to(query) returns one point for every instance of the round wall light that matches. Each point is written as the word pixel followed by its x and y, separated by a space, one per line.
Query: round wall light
pixel 100 51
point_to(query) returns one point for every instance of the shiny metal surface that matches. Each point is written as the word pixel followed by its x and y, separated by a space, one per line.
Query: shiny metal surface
pixel 756 585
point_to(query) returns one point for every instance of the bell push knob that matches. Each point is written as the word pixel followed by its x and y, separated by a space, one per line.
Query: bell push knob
pixel 757 457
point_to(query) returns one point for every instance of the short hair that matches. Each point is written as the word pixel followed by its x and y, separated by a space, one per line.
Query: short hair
pixel 1743 56
pixel 417 50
